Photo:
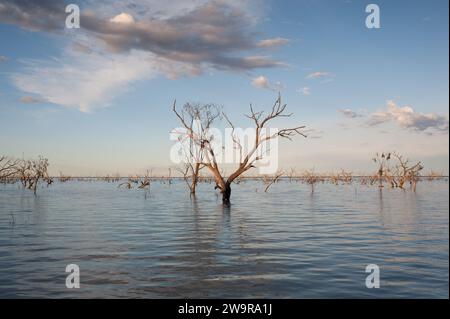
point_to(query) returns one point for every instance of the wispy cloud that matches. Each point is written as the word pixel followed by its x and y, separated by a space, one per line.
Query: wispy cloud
pixel 270 43
pixel 83 82
pixel 304 90
pixel 318 75
pixel 31 100
pixel 348 113
pixel 3 58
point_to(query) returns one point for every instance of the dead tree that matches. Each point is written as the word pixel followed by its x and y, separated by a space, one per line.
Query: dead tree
pixel 39 169
pixel 190 174
pixel 382 160
pixel 291 174
pixel 8 168
pixel 196 119
pixel 311 178
pixel 203 140
pixel 31 172
pixel 273 180
pixel 406 172
pixel 145 182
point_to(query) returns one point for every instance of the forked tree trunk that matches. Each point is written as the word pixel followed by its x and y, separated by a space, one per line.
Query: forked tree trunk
pixel 226 194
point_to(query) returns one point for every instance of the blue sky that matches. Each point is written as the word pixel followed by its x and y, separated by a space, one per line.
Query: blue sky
pixel 94 104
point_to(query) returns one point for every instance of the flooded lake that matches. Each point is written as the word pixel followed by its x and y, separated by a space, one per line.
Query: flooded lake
pixel 287 243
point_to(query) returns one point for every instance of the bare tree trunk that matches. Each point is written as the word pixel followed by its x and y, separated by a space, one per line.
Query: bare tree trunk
pixel 380 177
pixel 195 178
pixel 226 194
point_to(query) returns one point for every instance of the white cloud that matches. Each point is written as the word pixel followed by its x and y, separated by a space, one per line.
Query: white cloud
pixel 304 90
pixel 123 18
pixel 261 82
pixel 406 117
pixel 3 58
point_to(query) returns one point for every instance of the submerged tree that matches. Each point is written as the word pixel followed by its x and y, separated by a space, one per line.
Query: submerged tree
pixel 382 160
pixel 8 168
pixel 203 140
pixel 196 119
pixel 405 171
pixel 401 172
pixel 28 172
pixel 268 181
pixel 39 171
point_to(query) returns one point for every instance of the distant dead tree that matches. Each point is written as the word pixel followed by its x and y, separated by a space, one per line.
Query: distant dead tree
pixel 128 184
pixel 311 178
pixel 142 182
pixel 345 176
pixel 39 170
pixel 64 178
pixel 203 140
pixel 406 172
pixel 382 160
pixel 169 177
pixel 402 170
pixel 291 173
pixel 8 168
pixel 272 180
pixel 434 175
pixel 145 182
pixel 31 172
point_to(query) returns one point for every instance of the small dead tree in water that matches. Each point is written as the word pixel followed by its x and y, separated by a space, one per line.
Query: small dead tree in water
pixel 127 184
pixel 8 168
pixel 434 175
pixel 190 173
pixel 382 160
pixel 311 178
pixel 203 140
pixel 291 174
pixel 406 172
pixel 169 177
pixel 64 178
pixel 145 183
pixel 346 176
pixel 273 180
pixel 39 169
pixel 31 172
pixel 196 119
pixel 401 173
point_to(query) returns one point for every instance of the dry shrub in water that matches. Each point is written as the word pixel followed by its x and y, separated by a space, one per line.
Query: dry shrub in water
pixel 29 172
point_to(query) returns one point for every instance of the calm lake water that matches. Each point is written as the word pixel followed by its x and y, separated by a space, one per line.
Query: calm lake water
pixel 281 244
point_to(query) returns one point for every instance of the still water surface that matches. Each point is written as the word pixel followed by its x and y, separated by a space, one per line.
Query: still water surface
pixel 281 244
